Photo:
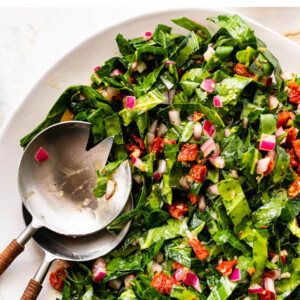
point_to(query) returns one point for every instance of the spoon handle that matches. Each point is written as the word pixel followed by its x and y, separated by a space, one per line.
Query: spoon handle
pixel 9 254
pixel 32 290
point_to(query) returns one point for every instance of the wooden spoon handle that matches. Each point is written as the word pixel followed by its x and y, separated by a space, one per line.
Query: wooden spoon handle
pixel 32 290
pixel 9 254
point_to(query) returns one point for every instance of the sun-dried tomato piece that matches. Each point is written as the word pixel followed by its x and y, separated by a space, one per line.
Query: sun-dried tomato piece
pixel 158 144
pixel 291 136
pixel 293 158
pixel 270 167
pixel 194 199
pixel 163 283
pixel 134 150
pixel 200 250
pixel 296 147
pixel 241 70
pixel 225 267
pixel 265 295
pixel 167 141
pixel 56 278
pixel 138 141
pixel 198 116
pixel 188 152
pixel 198 172
pixel 294 92
pixel 177 209
pixel 294 189
pixel 284 117
pixel 177 265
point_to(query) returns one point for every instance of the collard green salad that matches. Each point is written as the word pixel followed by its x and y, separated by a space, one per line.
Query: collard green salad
pixel 210 126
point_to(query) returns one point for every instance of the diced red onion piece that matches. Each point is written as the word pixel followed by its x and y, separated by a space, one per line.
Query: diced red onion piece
pixel 218 162
pixel 191 279
pixel 170 62
pixel 179 274
pixel 116 72
pixel 153 126
pixel 269 285
pixel 171 94
pixel 197 131
pixel 190 118
pixel 137 178
pixel 162 129
pixel 196 284
pixel 156 176
pixel 298 109
pixel 262 165
pixel 99 270
pixel 184 183
pixel 267 142
pixel 208 147
pixel 156 267
pixel 41 155
pixel 286 75
pixel 214 189
pixel 159 257
pixel 138 163
pixel 209 52
pixel 236 275
pixel 141 67
pixel 209 129
pixel 273 102
pixel 201 203
pixel 174 116
pixel 245 123
pixel 217 101
pixel 208 85
pixel 147 36
pixel 127 281
pixel 115 284
pixel 272 154
pixel 255 289
pixel 110 189
pixel 150 139
pixel 134 65
pixel 227 132
pixel 130 102
pixel 279 132
pixel 162 166
pixel 96 68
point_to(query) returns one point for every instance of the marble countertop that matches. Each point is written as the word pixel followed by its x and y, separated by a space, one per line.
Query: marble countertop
pixel 33 39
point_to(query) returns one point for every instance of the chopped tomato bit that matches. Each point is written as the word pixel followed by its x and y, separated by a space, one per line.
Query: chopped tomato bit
pixel 134 150
pixel 291 135
pixel 188 152
pixel 158 144
pixel 283 259
pixel 294 189
pixel 56 278
pixel 296 147
pixel 177 265
pixel 177 209
pixel 241 70
pixel 200 250
pixel 138 141
pixel 270 167
pixel 163 283
pixel 293 158
pixel 198 172
pixel 283 117
pixel 194 199
pixel 294 92
pixel 198 116
pixel 265 295
pixel 225 267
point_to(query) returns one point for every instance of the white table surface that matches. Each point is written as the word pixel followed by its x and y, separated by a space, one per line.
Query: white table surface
pixel 33 39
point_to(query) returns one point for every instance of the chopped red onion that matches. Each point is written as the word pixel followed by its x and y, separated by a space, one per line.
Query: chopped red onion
pixel 162 129
pixel 267 142
pixel 41 155
pixel 255 289
pixel 138 163
pixel 190 118
pixel 201 203
pixel 171 94
pixel 155 267
pixel 147 36
pixel 272 154
pixel 134 65
pixel 197 131
pixel 115 284
pixel 269 285
pixel 141 67
pixel 96 68
pixel 217 101
pixel 273 102
pixel 227 132
pixel 116 72
pixel 208 147
pixel 99 270
pixel 180 273
pixel 130 102
pixel 157 176
pixel 174 116
pixel 218 162
pixel 127 281
pixel 162 166
pixel 170 62
pixel 236 275
pixel 209 52
pixel 150 139
pixel 184 183
pixel 110 189
pixel 189 278
pixel 208 85
pixel 262 165
pixel 137 178
pixel 153 126
pixel 298 109
pixel 196 284
pixel 209 129
pixel 279 132
pixel 214 189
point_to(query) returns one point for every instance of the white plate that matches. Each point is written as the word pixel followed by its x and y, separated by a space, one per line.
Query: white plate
pixel 76 68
